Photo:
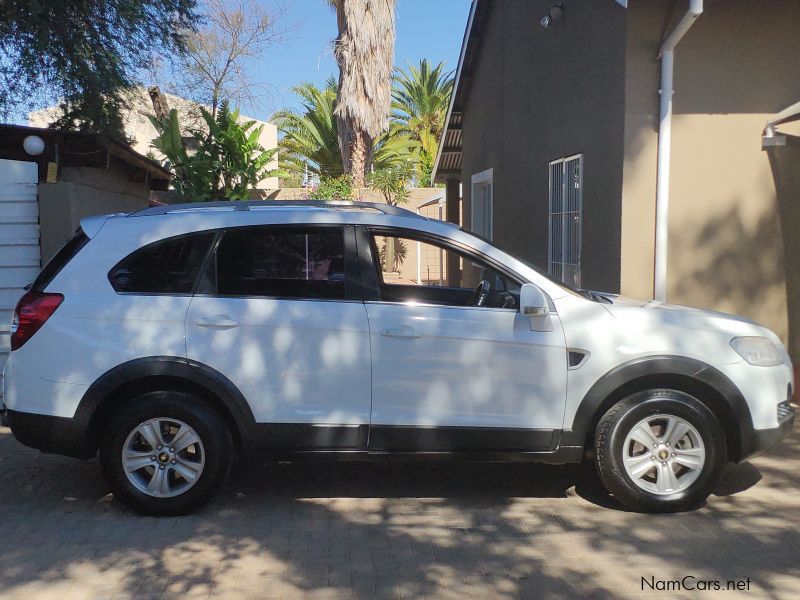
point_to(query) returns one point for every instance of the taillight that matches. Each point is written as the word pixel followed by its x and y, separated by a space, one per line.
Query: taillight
pixel 33 309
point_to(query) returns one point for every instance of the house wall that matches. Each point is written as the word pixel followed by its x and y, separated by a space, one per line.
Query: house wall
pixel 539 94
pixel 62 205
pixel 118 177
pixel 734 70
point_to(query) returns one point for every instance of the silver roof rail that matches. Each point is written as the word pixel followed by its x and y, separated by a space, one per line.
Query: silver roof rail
pixel 262 204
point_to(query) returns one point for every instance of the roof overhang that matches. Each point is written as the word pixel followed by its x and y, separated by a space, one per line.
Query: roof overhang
pixel 448 156
pixel 75 149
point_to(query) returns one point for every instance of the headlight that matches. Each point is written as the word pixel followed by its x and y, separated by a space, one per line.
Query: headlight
pixel 758 351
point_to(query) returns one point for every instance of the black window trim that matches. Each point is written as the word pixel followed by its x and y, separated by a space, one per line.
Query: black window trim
pixel 367 238
pixel 211 246
pixel 351 266
pixel 65 255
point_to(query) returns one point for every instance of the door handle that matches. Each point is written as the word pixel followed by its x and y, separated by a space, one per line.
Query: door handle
pixel 401 332
pixel 220 322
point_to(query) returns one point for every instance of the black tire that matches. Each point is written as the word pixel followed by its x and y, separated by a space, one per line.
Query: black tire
pixel 617 423
pixel 192 410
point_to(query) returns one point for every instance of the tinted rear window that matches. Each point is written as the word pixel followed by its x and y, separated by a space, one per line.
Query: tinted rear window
pixel 169 266
pixel 60 260
pixel 280 263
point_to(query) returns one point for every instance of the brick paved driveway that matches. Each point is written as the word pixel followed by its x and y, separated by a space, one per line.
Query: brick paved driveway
pixel 390 530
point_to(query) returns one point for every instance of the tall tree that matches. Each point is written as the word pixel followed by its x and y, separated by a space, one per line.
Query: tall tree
pixel 420 97
pixel 364 51
pixel 217 65
pixel 85 53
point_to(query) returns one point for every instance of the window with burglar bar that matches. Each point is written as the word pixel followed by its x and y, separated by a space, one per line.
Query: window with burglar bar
pixel 566 206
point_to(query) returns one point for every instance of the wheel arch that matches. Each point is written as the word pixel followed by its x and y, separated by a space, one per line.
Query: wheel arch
pixel 691 376
pixel 129 379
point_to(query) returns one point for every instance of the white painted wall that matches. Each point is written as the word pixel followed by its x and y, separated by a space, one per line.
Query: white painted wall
pixel 20 258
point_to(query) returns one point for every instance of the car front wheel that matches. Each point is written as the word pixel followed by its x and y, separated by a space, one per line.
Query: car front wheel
pixel 166 453
pixel 659 451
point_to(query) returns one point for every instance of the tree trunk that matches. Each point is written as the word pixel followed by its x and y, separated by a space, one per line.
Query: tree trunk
pixel 360 156
pixel 364 52
pixel 160 104
pixel 356 147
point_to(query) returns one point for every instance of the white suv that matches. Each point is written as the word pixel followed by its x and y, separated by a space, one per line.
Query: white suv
pixel 178 338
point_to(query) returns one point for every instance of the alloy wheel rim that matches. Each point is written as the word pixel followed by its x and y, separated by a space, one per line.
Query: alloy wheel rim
pixel 163 457
pixel 663 454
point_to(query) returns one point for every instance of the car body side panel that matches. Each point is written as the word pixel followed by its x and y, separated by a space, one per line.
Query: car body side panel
pixel 465 367
pixel 620 335
pixel 296 361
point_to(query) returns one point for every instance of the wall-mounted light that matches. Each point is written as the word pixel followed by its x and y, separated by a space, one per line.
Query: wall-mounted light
pixel 554 15
pixel 33 145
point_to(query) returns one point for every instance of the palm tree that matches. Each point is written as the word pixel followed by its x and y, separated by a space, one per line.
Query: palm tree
pixel 364 51
pixel 420 98
pixel 311 138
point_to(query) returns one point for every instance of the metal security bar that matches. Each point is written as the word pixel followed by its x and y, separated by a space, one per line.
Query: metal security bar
pixel 566 206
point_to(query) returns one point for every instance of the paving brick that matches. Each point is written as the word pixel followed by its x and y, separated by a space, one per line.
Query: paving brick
pixel 377 531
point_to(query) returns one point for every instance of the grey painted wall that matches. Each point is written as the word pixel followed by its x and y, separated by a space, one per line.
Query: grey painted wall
pixel 524 111
pixel 62 206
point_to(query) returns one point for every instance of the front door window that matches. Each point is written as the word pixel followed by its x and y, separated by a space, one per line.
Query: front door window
pixel 428 271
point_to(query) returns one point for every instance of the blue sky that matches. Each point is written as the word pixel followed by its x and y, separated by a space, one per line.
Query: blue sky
pixel 431 29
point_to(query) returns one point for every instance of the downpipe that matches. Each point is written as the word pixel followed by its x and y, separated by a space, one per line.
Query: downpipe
pixel 667 56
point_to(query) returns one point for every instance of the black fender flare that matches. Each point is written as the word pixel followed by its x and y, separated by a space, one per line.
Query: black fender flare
pixel 174 367
pixel 631 375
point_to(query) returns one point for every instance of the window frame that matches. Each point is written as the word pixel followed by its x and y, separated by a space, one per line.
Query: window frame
pixel 203 263
pixel 366 238
pixel 351 263
pixel 65 255
pixel 563 213
pixel 483 179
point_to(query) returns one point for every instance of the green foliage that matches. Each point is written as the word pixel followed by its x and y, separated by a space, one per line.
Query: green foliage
pixel 333 188
pixel 86 53
pixel 238 161
pixel 229 160
pixel 420 98
pixel 190 176
pixel 311 138
pixel 392 182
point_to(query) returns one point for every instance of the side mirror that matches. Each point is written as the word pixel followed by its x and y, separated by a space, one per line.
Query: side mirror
pixel 532 301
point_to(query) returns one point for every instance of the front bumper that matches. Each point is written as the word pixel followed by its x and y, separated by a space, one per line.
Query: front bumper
pixel 764 439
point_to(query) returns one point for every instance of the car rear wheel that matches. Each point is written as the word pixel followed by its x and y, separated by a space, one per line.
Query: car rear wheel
pixel 166 453
pixel 659 451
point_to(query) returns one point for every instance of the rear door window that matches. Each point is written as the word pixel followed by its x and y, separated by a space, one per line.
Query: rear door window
pixel 278 262
pixel 169 266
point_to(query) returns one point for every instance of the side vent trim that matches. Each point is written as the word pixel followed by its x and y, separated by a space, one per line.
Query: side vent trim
pixel 576 357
